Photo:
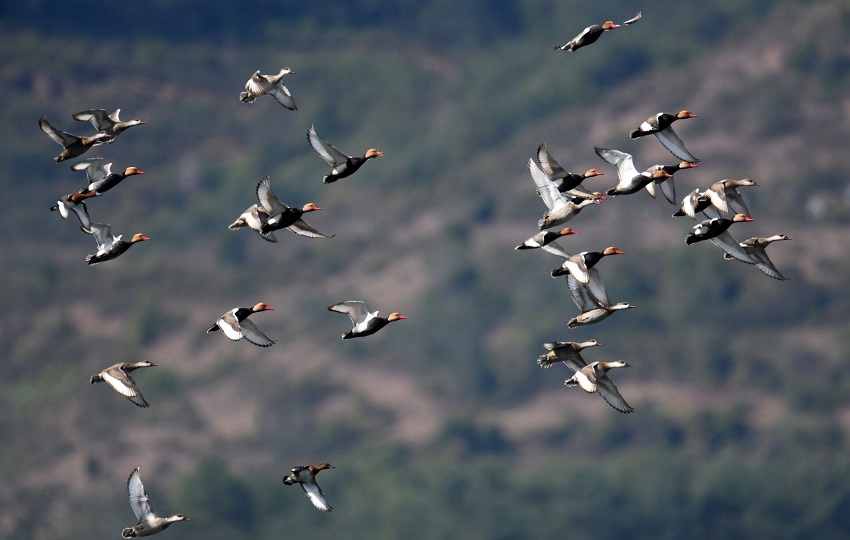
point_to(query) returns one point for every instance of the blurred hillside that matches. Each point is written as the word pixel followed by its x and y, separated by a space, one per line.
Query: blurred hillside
pixel 440 426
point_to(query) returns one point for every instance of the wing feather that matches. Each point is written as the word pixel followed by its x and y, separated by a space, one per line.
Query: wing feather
pixel 633 20
pixel 326 150
pixel 674 144
pixel 267 199
pixel 727 243
pixel 355 309
pixel 58 136
pixel 764 264
pixel 623 161
pixel 581 295
pixel 555 248
pixel 551 167
pixel 605 387
pixel 302 228
pixel 283 96
pixel 253 334
pixel 547 189
pixel 314 493
pixel 139 501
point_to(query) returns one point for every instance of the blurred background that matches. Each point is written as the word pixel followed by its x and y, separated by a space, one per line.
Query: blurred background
pixel 443 425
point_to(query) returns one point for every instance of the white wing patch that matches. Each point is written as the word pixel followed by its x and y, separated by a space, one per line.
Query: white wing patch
pixel 314 493
pixel 120 386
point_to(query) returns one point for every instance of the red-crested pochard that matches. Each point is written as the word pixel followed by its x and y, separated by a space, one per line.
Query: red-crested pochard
pixel 73 202
pixel 711 228
pixel 544 237
pixel 109 246
pixel 100 177
pixel 564 180
pixel 630 180
pixel 579 264
pixel 561 209
pixel 592 33
pixel 282 216
pixel 668 188
pixel 660 125
pixel 365 322
pixel 343 165
pixel 254 217
pixel 236 325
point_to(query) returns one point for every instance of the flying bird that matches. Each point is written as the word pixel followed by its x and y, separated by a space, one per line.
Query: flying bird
pixel 594 291
pixel 149 522
pixel 580 193
pixel 544 237
pixel 365 322
pixel 660 125
pixel 281 216
pixel 711 228
pixel 579 264
pixel 592 33
pixel 668 188
pixel 110 124
pixel 725 196
pixel 343 165
pixel 235 325
pixel 568 352
pixel 756 248
pixel 305 475
pixel 72 145
pixel 100 177
pixel 272 85
pixel 589 299
pixel 593 379
pixel 694 202
pixel 74 202
pixel 255 218
pixel 561 209
pixel 630 180
pixel 564 180
pixel 108 245
pixel 118 377
pixel 716 230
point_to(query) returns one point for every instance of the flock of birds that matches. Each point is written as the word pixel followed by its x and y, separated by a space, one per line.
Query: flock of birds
pixel 265 217
pixel 562 192
pixel 565 197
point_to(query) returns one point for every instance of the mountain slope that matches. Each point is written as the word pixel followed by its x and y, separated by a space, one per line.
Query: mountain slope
pixel 427 230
